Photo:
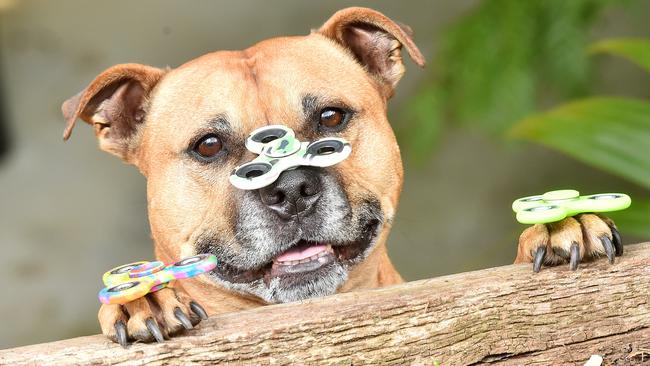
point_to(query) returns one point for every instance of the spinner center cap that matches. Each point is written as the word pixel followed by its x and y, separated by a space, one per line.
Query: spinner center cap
pixel 282 147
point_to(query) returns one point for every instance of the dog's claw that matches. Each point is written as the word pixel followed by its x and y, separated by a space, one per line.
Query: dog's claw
pixel 540 253
pixel 154 330
pixel 609 248
pixel 198 310
pixel 120 333
pixel 575 256
pixel 185 321
pixel 618 243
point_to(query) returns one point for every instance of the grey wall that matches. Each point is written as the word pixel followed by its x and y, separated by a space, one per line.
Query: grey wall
pixel 68 212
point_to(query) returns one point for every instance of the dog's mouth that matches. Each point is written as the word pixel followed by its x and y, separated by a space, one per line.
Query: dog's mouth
pixel 304 258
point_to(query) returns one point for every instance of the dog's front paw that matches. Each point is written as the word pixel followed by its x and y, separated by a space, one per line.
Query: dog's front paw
pixel 154 317
pixel 571 240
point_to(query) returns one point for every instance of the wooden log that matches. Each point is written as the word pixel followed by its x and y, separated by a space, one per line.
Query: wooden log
pixel 506 315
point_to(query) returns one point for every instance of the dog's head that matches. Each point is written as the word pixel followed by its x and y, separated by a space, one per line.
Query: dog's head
pixel 185 129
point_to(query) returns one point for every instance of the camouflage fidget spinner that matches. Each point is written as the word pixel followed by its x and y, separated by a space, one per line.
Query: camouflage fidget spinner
pixel 556 205
pixel 279 150
pixel 134 280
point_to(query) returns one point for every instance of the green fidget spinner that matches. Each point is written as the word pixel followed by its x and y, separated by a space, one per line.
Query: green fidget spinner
pixel 556 205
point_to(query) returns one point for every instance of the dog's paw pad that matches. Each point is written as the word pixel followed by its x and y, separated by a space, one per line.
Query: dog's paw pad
pixel 572 240
pixel 153 318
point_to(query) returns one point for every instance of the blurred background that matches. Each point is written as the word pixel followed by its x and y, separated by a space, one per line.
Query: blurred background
pixel 519 97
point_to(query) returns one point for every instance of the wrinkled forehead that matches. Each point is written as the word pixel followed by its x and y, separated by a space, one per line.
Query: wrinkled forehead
pixel 266 84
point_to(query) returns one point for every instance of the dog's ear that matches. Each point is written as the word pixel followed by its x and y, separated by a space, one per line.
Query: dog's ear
pixel 375 41
pixel 115 103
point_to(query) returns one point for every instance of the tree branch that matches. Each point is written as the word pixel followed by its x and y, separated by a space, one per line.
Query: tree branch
pixel 506 315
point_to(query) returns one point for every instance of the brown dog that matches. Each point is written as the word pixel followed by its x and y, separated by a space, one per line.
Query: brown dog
pixel 311 233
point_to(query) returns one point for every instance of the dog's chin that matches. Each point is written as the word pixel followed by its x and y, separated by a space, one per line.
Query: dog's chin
pixel 306 270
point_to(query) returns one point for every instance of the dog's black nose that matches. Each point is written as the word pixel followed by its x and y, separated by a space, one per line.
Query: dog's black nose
pixel 294 192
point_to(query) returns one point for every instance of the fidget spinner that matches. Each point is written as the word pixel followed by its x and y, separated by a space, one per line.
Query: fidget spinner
pixel 134 280
pixel 279 150
pixel 556 205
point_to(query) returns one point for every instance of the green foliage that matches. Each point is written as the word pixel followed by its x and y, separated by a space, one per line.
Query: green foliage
pixel 635 50
pixel 423 112
pixel 496 62
pixel 610 133
pixel 500 60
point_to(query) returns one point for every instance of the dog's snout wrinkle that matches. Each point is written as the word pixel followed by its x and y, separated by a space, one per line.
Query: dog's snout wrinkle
pixel 293 194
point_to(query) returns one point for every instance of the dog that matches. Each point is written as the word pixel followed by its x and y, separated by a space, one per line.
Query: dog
pixel 314 231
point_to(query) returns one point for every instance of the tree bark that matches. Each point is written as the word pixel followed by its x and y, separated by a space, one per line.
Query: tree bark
pixel 506 315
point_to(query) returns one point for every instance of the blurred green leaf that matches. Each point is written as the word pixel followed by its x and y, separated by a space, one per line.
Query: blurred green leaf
pixel 484 64
pixel 635 219
pixel 610 133
pixel 496 63
pixel 423 124
pixel 635 50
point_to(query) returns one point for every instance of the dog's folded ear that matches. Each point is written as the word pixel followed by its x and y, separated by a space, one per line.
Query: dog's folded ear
pixel 375 41
pixel 115 103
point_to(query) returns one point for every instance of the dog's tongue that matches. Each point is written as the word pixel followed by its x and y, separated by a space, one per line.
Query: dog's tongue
pixel 301 252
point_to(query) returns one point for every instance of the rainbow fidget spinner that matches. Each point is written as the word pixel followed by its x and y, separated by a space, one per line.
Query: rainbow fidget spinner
pixel 134 280
pixel 279 150
pixel 556 205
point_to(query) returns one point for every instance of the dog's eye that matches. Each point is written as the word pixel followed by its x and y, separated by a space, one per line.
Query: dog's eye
pixel 208 146
pixel 332 117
